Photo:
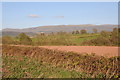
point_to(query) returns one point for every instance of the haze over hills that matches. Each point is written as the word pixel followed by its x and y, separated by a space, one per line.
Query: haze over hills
pixel 57 28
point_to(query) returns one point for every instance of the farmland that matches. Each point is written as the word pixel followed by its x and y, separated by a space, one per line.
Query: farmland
pixel 53 39
pixel 34 62
pixel 61 39
pixel 76 38
pixel 61 55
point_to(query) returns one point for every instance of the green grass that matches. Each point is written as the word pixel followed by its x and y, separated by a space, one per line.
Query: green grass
pixel 24 67
pixel 81 38
pixel 63 39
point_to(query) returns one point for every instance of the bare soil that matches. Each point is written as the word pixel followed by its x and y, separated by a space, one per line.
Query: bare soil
pixel 106 51
pixel 98 50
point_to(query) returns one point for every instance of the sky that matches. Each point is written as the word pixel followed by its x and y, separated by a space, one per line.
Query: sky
pixel 34 14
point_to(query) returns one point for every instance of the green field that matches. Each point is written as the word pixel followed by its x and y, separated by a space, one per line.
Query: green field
pixel 102 38
pixel 36 62
pixel 63 39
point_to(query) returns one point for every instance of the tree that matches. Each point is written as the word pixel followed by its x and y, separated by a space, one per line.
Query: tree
pixel 104 34
pixel 73 32
pixel 115 36
pixel 83 31
pixel 77 32
pixel 24 39
pixel 95 30
pixel 101 41
pixel 98 41
pixel 115 32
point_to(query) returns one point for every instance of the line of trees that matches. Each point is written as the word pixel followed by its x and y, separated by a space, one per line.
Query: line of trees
pixel 83 31
pixel 105 38
pixel 22 38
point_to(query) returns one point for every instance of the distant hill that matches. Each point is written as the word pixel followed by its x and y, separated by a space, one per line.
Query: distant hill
pixel 13 33
pixel 57 28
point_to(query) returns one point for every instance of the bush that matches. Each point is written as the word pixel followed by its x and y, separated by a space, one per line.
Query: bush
pixel 7 40
pixel 83 31
pixel 114 37
pixel 73 32
pixel 104 33
pixel 98 42
pixel 24 39
pixel 105 38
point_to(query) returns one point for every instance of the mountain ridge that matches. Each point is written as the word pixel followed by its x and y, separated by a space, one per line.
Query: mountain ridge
pixel 58 28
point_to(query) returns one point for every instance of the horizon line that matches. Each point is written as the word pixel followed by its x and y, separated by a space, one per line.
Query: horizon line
pixel 55 25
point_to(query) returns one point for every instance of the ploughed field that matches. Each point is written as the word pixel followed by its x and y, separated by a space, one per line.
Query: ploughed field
pixel 97 50
pixel 43 62
pixel 106 51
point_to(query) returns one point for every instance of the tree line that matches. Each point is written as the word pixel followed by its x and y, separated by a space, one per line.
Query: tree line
pixel 83 31
pixel 105 38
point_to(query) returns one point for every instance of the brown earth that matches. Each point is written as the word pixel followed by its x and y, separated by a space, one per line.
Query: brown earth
pixel 98 50
pixel 68 60
pixel 107 51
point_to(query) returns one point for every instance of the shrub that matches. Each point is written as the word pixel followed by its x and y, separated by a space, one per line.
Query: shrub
pixel 73 32
pixel 7 40
pixel 114 36
pixel 83 31
pixel 105 38
pixel 24 39
pixel 104 33
pixel 98 41
pixel 77 32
